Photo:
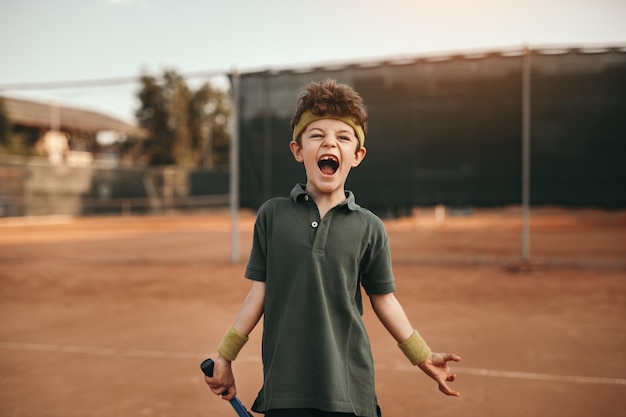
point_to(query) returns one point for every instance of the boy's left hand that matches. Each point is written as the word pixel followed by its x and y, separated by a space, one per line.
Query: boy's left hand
pixel 436 367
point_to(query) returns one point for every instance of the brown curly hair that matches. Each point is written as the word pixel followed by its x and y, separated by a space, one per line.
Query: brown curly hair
pixel 331 98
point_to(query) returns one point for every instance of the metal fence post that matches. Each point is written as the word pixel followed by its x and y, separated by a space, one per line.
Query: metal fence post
pixel 526 154
pixel 234 167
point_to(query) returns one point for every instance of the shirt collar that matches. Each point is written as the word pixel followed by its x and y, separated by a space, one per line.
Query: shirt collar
pixel 298 194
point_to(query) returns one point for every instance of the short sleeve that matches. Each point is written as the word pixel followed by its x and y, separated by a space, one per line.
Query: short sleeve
pixel 257 264
pixel 377 275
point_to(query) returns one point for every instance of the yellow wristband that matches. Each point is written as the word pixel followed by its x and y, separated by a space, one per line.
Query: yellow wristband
pixel 232 342
pixel 415 348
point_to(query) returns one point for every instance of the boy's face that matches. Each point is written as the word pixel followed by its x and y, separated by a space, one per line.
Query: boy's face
pixel 328 149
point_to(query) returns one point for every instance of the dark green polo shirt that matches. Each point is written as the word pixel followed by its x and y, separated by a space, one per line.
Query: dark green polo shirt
pixel 316 352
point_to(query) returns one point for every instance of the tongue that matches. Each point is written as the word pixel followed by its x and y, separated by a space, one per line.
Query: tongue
pixel 327 169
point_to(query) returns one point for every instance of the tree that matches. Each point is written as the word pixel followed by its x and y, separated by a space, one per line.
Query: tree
pixel 186 128
pixel 209 111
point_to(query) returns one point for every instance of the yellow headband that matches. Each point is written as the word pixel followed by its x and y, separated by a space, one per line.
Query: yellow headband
pixel 307 118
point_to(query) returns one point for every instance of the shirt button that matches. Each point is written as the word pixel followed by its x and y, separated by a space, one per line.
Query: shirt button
pixel 314 224
pixel 306 197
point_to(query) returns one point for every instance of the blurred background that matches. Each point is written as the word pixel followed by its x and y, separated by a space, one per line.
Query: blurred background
pixel 496 155
pixel 122 106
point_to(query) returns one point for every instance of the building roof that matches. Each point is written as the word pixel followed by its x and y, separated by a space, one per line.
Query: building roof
pixel 41 115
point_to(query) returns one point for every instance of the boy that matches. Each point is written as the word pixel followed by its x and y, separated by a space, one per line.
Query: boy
pixel 311 254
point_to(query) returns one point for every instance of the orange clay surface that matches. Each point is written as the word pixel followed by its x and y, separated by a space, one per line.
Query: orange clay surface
pixel 111 316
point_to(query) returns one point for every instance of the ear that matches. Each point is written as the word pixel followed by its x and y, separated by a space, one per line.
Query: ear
pixel 296 150
pixel 358 156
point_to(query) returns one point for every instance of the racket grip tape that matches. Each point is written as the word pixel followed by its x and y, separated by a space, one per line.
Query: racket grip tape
pixel 207 366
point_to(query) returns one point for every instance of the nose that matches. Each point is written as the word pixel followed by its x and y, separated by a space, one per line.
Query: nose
pixel 330 140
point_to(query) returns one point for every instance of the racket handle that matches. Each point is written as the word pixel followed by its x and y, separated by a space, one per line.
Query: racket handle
pixel 207 366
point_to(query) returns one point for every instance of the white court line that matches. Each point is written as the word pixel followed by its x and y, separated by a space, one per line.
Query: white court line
pixel 101 350
pixel 520 375
pixel 541 377
pixel 194 355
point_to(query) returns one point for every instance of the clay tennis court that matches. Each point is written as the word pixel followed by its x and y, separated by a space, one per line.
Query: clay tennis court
pixel 111 316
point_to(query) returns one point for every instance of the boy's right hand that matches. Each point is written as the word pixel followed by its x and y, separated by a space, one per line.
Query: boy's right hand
pixel 223 381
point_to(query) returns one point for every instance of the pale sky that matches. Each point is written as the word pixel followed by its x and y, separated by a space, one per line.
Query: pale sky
pixel 64 40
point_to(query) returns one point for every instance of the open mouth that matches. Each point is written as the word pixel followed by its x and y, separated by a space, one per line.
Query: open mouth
pixel 328 164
